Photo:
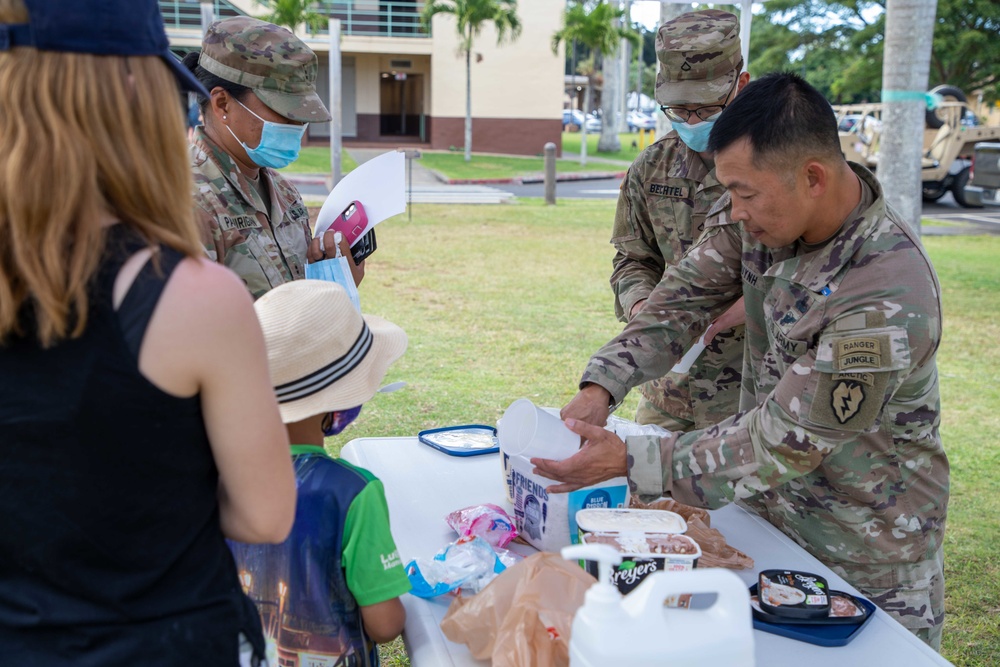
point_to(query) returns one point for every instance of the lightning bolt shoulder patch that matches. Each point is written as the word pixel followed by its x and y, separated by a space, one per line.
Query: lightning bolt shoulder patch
pixel 854 365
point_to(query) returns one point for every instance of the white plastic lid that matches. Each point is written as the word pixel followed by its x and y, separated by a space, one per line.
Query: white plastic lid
pixel 622 520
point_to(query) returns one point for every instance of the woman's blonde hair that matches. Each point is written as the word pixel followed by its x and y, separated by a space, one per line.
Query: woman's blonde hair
pixel 82 137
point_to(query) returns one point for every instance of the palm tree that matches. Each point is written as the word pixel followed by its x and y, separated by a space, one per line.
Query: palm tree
pixel 293 13
pixel 470 18
pixel 600 28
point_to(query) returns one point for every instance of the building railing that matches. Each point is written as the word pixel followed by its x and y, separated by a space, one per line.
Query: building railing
pixel 371 17
pixel 186 14
pixel 398 18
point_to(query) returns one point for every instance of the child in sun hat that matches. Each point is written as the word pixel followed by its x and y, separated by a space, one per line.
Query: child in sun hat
pixel 331 590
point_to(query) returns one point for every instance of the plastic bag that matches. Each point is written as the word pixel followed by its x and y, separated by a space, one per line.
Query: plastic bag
pixel 715 551
pixel 486 521
pixel 468 563
pixel 524 617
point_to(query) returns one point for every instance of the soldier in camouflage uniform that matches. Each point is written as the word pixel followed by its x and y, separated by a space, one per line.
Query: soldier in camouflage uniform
pixel 662 206
pixel 252 218
pixel 837 444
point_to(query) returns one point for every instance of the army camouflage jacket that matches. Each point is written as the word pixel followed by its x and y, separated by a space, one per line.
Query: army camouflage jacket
pixel 661 212
pixel 838 444
pixel 265 247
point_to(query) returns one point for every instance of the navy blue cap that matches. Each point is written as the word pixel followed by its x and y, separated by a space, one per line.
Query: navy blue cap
pixel 99 27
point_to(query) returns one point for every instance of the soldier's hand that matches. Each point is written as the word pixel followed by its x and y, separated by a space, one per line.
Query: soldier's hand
pixel 357 270
pixel 734 316
pixel 602 457
pixel 317 252
pixel 591 405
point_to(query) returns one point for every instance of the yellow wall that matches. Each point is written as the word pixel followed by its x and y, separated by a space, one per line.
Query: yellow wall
pixel 523 79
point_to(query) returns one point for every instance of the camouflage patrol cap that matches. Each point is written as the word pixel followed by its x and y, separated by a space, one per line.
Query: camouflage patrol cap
pixel 699 53
pixel 275 64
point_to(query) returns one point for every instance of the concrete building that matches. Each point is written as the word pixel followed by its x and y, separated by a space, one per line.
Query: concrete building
pixel 403 86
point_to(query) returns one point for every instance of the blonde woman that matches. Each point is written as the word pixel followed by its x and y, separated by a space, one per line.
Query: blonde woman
pixel 138 427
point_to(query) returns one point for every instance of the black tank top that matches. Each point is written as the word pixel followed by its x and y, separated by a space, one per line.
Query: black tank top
pixel 111 552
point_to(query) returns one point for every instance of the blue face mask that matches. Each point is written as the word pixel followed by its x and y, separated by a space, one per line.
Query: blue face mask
pixel 337 421
pixel 695 136
pixel 279 143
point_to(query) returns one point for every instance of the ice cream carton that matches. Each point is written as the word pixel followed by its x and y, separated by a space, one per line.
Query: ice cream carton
pixel 648 540
pixel 548 520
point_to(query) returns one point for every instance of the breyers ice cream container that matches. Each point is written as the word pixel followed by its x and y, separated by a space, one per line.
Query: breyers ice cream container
pixel 649 541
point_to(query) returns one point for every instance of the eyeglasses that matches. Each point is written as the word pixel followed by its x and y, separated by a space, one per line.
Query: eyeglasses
pixel 682 115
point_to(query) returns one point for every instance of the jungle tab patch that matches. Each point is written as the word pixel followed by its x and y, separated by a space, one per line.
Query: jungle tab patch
pixel 859 353
pixel 666 190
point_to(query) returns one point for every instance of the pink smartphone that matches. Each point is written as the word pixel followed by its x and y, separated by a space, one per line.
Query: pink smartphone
pixel 351 223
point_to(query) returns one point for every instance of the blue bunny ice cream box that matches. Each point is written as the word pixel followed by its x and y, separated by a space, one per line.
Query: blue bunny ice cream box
pixel 548 520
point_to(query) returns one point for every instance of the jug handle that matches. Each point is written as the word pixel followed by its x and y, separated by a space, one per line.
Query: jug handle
pixel 733 596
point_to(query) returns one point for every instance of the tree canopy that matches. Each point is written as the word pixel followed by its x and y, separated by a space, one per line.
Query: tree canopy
pixel 837 45
pixel 293 13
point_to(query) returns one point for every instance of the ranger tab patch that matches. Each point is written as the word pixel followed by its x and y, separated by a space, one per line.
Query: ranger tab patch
pixel 859 353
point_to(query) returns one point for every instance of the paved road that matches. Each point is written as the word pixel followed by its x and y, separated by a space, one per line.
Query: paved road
pixel 946 209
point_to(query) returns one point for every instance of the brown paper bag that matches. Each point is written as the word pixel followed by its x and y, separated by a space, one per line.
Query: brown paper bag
pixel 715 551
pixel 524 616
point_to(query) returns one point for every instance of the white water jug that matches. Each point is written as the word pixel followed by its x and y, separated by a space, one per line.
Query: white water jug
pixel 639 631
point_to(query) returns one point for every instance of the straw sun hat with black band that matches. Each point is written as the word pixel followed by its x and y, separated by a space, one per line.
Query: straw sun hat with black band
pixel 322 353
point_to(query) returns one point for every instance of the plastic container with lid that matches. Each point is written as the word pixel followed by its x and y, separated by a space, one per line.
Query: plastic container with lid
pixel 643 554
pixel 648 540
pixel 793 595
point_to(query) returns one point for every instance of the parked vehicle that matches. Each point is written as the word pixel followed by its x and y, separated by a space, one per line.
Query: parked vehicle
pixel 949 143
pixel 984 175
pixel 637 120
pixel 852 123
pixel 573 120
pixel 572 117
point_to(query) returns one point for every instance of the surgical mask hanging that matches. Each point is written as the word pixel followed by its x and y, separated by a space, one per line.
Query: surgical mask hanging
pixel 695 136
pixel 336 270
pixel 337 421
pixel 279 143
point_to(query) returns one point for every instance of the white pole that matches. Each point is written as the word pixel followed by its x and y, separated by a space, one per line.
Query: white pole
pixel 336 93
pixel 207 16
pixel 746 16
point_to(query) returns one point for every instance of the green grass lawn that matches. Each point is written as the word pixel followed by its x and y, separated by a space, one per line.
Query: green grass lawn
pixel 571 146
pixel 503 302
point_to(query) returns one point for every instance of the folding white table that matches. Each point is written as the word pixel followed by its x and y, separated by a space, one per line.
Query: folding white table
pixel 423 485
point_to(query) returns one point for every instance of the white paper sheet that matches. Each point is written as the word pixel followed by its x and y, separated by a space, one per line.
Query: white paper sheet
pixel 379 184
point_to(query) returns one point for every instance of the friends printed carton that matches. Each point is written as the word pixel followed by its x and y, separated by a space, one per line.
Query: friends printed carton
pixel 548 520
